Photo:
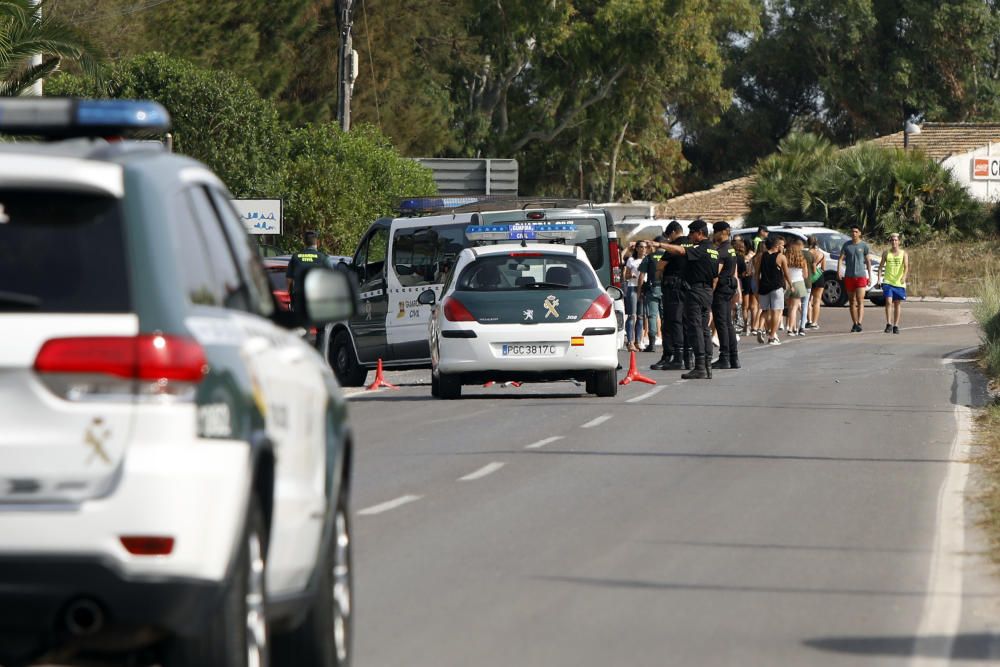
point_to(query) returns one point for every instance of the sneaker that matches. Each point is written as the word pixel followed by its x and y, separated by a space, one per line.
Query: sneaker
pixel 859 327
pixel 781 327
pixel 895 330
pixel 888 328
pixel 774 341
pixel 760 336
pixel 810 325
pixel 855 328
pixel 801 332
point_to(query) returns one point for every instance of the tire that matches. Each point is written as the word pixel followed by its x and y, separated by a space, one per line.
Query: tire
pixel 435 388
pixel 834 293
pixel 236 634
pixel 324 638
pixel 344 362
pixel 591 385
pixel 449 386
pixel 606 383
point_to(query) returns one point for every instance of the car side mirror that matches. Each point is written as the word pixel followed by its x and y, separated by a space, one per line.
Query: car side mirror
pixel 329 296
pixel 615 293
pixel 427 298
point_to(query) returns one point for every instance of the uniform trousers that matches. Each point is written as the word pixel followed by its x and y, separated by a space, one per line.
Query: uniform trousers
pixel 697 306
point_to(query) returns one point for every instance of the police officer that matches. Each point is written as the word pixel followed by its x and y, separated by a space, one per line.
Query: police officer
pixel 300 264
pixel 670 268
pixel 699 277
pixel 722 299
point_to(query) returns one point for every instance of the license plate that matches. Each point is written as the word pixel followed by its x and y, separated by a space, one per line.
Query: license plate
pixel 528 350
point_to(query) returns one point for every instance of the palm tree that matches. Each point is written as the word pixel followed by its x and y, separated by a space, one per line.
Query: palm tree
pixel 25 32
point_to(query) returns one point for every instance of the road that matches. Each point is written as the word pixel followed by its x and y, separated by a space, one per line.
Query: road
pixel 807 509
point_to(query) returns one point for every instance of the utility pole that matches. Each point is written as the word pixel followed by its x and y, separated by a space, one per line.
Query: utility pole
pixel 345 78
pixel 36 59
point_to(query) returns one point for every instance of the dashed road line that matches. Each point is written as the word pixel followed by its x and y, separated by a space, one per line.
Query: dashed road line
pixel 388 505
pixel 546 441
pixel 487 469
pixel 596 421
pixel 648 394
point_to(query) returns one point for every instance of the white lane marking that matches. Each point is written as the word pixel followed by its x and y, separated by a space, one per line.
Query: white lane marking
pixel 487 469
pixel 648 394
pixel 546 441
pixel 388 505
pixel 960 357
pixel 942 611
pixel 596 421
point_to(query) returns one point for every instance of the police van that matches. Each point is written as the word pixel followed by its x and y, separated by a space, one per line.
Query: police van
pixel 398 258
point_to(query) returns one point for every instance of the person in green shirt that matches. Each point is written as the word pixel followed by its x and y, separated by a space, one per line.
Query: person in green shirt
pixel 892 273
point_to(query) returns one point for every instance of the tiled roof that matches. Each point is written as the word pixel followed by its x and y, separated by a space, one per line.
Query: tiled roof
pixel 941 140
pixel 731 200
pixel 726 201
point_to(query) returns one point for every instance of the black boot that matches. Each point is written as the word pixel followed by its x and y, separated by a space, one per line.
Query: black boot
pixel 675 363
pixel 688 359
pixel 722 363
pixel 699 372
pixel 734 360
pixel 662 363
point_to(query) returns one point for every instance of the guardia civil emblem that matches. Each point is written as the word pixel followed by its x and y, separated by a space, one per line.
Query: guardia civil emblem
pixel 550 305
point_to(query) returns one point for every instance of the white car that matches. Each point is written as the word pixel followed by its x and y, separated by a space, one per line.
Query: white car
pixel 174 458
pixel 531 313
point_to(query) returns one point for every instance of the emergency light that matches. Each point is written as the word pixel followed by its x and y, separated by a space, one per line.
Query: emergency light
pixel 63 117
pixel 522 231
pixel 419 205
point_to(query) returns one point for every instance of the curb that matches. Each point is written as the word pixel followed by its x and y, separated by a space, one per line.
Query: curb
pixel 941 299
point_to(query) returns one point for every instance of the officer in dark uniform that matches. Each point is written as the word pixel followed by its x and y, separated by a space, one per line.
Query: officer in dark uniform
pixel 670 268
pixel 308 258
pixel 722 300
pixel 700 275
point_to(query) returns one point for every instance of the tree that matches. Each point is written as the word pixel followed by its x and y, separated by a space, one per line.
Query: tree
pixel 24 33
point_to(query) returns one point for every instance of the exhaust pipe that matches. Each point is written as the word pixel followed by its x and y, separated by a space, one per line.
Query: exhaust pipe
pixel 84 618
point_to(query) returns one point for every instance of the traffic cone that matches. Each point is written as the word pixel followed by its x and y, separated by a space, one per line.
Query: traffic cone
pixel 489 383
pixel 634 374
pixel 380 379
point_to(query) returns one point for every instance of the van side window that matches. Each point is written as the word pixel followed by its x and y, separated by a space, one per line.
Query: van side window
pixel 423 255
pixel 370 260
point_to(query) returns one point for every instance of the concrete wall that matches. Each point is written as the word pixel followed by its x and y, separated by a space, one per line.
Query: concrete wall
pixel 961 167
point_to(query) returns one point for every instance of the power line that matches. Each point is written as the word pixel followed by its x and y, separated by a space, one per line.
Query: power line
pixel 145 6
pixel 371 63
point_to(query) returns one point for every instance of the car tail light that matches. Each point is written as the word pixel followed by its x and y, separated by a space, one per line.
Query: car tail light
pixel 525 254
pixel 600 309
pixel 148 545
pixel 455 311
pixel 616 262
pixel 121 366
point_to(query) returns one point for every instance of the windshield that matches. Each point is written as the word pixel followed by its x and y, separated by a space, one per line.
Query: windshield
pixel 422 255
pixel 525 271
pixel 832 243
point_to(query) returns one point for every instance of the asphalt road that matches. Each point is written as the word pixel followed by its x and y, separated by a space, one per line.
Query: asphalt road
pixel 808 509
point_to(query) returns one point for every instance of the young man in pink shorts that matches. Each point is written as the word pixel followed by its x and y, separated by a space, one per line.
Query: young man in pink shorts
pixel 855 257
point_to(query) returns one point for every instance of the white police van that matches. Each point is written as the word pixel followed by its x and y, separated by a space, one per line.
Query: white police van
pixel 398 258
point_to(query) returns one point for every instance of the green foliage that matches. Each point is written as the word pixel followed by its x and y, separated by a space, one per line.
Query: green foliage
pixel 986 310
pixel 333 182
pixel 24 33
pixel 883 190
pixel 339 183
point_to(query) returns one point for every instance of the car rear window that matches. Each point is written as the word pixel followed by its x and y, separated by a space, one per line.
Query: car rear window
pixel 525 271
pixel 276 274
pixel 62 253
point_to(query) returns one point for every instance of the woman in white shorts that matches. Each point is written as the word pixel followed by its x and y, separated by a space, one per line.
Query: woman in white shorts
pixel 796 296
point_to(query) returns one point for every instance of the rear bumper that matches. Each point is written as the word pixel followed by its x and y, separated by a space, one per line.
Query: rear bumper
pixel 37 593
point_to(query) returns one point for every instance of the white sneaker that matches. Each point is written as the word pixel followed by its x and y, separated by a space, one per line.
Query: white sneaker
pixel 774 341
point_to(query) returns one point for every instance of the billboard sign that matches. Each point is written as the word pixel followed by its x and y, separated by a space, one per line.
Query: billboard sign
pixel 259 216
pixel 986 168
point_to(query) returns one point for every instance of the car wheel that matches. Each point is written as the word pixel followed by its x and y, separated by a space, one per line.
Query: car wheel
pixel 877 300
pixel 435 386
pixel 236 635
pixel 591 385
pixel 345 364
pixel 324 638
pixel 606 383
pixel 834 293
pixel 449 386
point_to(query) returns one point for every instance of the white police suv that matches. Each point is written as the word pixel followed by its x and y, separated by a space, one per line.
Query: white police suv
pixel 174 459
pixel 529 312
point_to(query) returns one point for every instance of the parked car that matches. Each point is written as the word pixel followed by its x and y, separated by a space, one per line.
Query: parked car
pixel 149 381
pixel 830 241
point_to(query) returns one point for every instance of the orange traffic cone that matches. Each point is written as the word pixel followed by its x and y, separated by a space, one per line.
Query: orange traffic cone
pixel 380 379
pixel 489 383
pixel 634 374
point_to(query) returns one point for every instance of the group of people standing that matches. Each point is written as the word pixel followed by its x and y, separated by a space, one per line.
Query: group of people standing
pixel 688 286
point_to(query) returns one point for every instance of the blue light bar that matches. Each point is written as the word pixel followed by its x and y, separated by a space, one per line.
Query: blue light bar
pixel 60 117
pixel 416 205
pixel 521 231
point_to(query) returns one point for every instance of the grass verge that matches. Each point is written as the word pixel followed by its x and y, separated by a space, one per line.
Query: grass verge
pixel 987 313
pixel 952 268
